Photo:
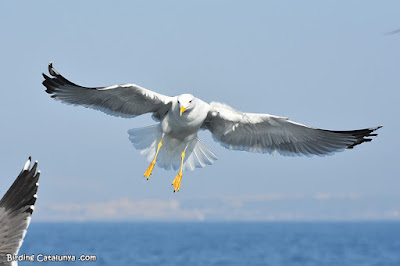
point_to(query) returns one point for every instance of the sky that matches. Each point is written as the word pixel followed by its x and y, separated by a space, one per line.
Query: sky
pixel 325 64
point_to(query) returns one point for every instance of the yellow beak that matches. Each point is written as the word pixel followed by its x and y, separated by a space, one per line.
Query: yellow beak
pixel 182 110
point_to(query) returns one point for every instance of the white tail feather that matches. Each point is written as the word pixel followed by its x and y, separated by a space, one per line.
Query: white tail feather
pixel 146 140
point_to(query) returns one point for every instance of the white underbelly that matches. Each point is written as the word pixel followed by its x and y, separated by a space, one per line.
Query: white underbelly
pixel 182 127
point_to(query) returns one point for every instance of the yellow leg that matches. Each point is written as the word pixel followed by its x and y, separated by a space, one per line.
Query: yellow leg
pixel 151 166
pixel 178 178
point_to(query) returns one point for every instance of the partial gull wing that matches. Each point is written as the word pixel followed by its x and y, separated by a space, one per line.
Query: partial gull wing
pixel 16 208
pixel 128 100
pixel 266 133
pixel 393 32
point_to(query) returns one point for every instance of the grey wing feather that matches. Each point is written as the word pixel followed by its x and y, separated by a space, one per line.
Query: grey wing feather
pixel 266 133
pixel 128 100
pixel 393 32
pixel 16 208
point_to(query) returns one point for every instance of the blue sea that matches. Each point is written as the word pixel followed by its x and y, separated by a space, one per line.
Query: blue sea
pixel 219 243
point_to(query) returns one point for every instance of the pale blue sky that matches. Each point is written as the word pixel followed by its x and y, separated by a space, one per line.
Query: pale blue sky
pixel 324 64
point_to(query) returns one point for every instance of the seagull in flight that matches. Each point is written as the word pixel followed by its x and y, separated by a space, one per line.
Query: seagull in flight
pixel 173 142
pixel 16 208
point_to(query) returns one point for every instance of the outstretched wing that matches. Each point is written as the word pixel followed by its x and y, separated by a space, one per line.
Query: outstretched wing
pixel 16 208
pixel 393 32
pixel 266 133
pixel 128 100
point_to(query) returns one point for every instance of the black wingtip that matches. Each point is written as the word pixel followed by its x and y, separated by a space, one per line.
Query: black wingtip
pixel 52 71
pixel 34 167
pixel 29 210
pixel 22 193
pixel 50 83
pixel 393 32
pixel 55 80
pixel 362 136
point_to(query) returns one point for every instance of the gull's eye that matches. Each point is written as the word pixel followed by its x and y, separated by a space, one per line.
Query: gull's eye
pixel 190 101
pixel 178 102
